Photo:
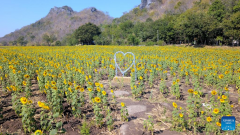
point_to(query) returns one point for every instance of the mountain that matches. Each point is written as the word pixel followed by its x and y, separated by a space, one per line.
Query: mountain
pixel 155 9
pixel 59 22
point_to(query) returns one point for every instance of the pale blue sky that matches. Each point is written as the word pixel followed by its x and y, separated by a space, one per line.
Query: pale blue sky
pixel 18 13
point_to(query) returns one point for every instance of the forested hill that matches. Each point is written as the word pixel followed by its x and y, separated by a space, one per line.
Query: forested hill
pixel 209 22
pixel 59 22
pixel 155 9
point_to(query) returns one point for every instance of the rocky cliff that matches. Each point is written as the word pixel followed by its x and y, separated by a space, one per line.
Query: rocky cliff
pixel 59 22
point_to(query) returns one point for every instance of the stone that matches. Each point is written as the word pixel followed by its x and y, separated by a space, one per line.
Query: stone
pixel 93 9
pixel 146 3
pixel 132 109
pixel 123 129
pixel 121 93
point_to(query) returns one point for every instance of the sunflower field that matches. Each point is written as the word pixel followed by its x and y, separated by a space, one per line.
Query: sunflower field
pixel 46 88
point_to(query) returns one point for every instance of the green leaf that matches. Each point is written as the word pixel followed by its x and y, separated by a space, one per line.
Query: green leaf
pixel 59 124
pixel 53 132
pixel 56 115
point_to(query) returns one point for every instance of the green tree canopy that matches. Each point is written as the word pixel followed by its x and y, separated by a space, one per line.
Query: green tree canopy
pixel 21 40
pixel 217 10
pixel 85 33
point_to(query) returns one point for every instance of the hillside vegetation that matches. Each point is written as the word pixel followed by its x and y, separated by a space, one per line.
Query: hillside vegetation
pixel 207 22
pixel 59 22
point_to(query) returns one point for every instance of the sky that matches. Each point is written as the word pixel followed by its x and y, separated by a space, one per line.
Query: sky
pixel 16 14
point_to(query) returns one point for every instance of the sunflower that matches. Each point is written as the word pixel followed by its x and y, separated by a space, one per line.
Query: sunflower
pixel 232 106
pixel 38 132
pixel 202 112
pixel 23 100
pixel 222 100
pixel 173 83
pixel 13 88
pixel 226 72
pixel 40 104
pixel 70 83
pixel 46 86
pixel 46 107
pixel 195 92
pixel 97 84
pixel 213 92
pixel 101 85
pixel 226 88
pixel 122 104
pixel 111 91
pixel 224 97
pixel 218 124
pixel 216 111
pixel 174 105
pixel 82 89
pixel 180 108
pixel 89 76
pixel 97 99
pixel 89 89
pixel 89 83
pixel 178 80
pixel 181 115
pixel 98 89
pixel 77 88
pixel 8 88
pixel 221 76
pixel 70 89
pixel 29 101
pixel 209 119
pixel 190 91
pixel 104 93
pixel 55 88
pixel 229 115
pixel 140 77
pixel 53 82
pixel 26 76
pixel 24 83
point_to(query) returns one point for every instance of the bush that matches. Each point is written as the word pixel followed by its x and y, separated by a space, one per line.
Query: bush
pixel 58 43
pixel 160 42
pixel 150 43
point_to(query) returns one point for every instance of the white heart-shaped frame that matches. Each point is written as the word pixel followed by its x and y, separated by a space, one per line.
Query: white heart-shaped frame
pixel 133 63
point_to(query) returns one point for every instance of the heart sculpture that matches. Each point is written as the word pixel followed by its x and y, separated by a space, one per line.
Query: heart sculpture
pixel 133 63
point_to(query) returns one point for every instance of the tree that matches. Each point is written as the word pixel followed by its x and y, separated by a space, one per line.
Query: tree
pixel 49 39
pixel 236 8
pixel 46 38
pixel 126 26
pixel 58 43
pixel 195 25
pixel 21 41
pixel 4 43
pixel 232 26
pixel 133 40
pixel 85 33
pixel 217 10
pixel 32 37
